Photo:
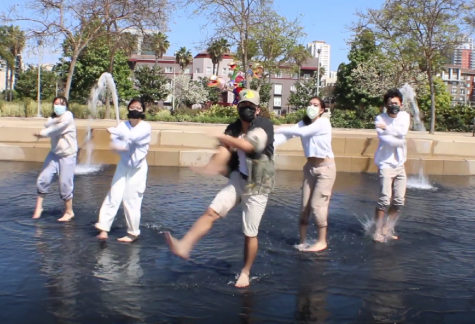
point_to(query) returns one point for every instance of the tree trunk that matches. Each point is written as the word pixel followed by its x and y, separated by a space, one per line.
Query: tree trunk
pixel 10 93
pixel 69 78
pixel 298 76
pixel 6 81
pixel 432 100
pixel 217 69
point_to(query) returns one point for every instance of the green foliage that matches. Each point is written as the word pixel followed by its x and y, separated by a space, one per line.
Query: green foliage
pixel 304 90
pixel 27 84
pixel 442 98
pixel 453 119
pixel 264 88
pixel 213 92
pixel 152 83
pixel 91 63
pixel 363 47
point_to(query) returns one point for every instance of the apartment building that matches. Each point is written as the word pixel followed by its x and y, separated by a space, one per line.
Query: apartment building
pixel 460 84
pixel 325 53
pixel 464 54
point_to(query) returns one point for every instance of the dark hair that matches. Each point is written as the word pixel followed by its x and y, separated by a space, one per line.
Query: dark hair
pixel 392 93
pixel 306 120
pixel 142 104
pixel 64 100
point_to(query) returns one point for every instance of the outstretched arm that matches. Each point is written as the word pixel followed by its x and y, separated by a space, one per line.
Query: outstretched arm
pixel 56 129
pixel 320 127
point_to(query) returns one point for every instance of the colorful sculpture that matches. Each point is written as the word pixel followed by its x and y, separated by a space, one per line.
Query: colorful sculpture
pixel 216 82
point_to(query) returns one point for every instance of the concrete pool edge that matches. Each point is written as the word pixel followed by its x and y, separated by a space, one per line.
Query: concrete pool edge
pixel 188 144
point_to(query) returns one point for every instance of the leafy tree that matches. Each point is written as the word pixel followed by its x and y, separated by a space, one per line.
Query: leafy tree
pixel 27 84
pixel 443 100
pixel 264 88
pixel 418 28
pixel 160 45
pixel 216 51
pixel 91 63
pixel 213 92
pixel 304 90
pixel 183 57
pixel 152 82
pixel 363 47
pixel 188 92
pixel 12 43
pixel 299 55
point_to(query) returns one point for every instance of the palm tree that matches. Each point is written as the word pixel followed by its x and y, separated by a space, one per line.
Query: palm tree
pixel 216 51
pixel 16 43
pixel 183 57
pixel 160 45
pixel 298 55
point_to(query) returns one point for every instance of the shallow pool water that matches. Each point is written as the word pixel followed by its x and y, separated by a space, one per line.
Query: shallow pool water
pixel 59 273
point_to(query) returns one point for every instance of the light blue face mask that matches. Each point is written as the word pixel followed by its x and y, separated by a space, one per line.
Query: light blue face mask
pixel 59 109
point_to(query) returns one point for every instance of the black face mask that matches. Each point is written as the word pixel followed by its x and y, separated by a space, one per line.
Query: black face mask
pixel 247 113
pixel 135 114
pixel 393 109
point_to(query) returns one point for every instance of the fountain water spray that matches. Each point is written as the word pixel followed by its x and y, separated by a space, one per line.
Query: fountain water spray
pixel 105 83
pixel 410 105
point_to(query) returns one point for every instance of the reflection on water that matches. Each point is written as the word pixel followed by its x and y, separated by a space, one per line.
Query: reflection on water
pixel 59 273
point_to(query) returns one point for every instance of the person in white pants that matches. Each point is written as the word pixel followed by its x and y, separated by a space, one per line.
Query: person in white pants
pixel 131 140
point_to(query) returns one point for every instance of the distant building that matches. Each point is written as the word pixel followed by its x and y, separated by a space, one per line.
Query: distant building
pixel 464 54
pixel 325 52
pixel 460 84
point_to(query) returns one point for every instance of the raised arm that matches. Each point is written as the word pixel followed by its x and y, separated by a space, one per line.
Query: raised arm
pixel 56 129
pixel 385 135
pixel 280 139
pixel 140 136
pixel 320 127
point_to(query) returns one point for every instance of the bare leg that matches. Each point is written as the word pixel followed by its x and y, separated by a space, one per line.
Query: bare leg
pixel 39 206
pixel 68 213
pixel 321 243
pixel 379 220
pixel 183 247
pixel 388 229
pixel 251 245
pixel 303 227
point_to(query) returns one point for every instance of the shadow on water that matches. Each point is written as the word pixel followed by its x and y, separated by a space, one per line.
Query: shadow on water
pixel 59 273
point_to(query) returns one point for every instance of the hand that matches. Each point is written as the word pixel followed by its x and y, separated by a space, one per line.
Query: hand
pixel 112 130
pixel 381 125
pixel 38 135
pixel 209 169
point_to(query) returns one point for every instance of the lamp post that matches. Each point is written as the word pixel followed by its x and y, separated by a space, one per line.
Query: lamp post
pixel 318 71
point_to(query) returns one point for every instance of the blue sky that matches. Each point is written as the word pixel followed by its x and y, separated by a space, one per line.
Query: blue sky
pixel 322 20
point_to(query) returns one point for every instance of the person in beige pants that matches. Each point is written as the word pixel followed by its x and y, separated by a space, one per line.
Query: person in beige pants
pixel 319 172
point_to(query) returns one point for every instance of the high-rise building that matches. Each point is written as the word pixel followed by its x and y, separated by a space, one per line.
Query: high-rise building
pixel 324 56
pixel 464 54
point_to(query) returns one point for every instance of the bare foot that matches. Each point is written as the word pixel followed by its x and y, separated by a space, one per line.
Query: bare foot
pixel 243 280
pixel 378 237
pixel 128 238
pixel 319 246
pixel 37 213
pixel 103 235
pixel 177 246
pixel 389 232
pixel 66 217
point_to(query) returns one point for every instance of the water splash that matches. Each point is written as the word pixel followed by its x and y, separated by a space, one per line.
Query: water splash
pixel 410 104
pixel 369 226
pixel 104 84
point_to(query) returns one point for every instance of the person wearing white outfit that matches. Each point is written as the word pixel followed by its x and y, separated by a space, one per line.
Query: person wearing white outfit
pixel 392 127
pixel 319 172
pixel 61 160
pixel 131 139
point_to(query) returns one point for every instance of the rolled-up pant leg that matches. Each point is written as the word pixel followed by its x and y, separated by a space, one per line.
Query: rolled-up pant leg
pixel 111 203
pixel 326 175
pixel 50 168
pixel 134 190
pixel 66 177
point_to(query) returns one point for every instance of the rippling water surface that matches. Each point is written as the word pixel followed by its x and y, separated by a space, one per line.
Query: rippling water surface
pixel 59 273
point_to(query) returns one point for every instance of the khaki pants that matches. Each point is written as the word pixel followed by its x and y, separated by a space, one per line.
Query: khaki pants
pixel 253 206
pixel 316 192
pixel 392 184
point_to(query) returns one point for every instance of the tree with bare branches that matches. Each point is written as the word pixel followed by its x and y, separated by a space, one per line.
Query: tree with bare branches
pixel 79 22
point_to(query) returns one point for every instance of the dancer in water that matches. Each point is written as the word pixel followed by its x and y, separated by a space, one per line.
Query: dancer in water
pixel 131 140
pixel 319 172
pixel 392 127
pixel 246 156
pixel 61 160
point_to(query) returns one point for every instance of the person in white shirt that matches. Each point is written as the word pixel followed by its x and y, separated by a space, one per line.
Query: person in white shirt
pixel 392 127
pixel 61 160
pixel 319 172
pixel 131 139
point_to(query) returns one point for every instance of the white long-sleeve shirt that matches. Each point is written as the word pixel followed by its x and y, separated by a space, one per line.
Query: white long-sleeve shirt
pixel 134 141
pixel 316 138
pixel 392 150
pixel 62 131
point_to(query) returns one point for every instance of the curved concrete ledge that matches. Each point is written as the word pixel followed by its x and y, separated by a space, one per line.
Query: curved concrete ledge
pixel 188 144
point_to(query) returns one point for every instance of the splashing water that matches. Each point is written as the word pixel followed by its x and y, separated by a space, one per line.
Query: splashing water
pixel 410 104
pixel 105 83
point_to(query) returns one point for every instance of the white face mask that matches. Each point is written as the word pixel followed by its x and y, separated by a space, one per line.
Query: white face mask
pixel 313 112
pixel 59 109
